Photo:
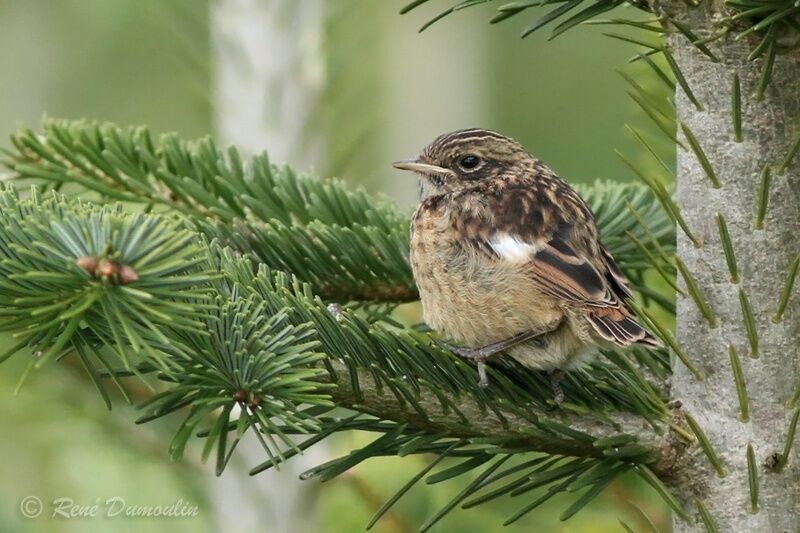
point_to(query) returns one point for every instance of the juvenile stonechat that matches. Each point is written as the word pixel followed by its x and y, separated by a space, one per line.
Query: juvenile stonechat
pixel 508 259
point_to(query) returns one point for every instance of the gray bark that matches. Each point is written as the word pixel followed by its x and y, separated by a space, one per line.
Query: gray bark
pixel 268 75
pixel 763 257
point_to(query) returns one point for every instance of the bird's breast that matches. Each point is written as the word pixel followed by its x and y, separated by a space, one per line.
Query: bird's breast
pixel 467 295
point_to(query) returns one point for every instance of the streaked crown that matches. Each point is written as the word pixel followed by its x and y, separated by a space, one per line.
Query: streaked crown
pixel 458 159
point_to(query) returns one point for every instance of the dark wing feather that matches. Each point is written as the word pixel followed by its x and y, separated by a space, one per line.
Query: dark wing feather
pixel 616 278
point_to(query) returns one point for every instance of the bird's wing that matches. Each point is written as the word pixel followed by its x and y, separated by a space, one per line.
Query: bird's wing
pixel 550 232
pixel 571 277
pixel 557 268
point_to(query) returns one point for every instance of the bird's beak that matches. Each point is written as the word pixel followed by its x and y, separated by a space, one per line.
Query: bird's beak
pixel 419 167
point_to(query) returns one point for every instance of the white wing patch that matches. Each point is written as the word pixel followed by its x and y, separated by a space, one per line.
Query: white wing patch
pixel 512 248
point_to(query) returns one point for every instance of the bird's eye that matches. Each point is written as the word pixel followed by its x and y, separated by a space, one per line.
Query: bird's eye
pixel 469 162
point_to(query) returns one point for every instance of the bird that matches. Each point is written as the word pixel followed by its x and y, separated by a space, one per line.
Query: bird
pixel 508 259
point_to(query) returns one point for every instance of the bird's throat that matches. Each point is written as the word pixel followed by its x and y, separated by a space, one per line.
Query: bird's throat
pixel 431 186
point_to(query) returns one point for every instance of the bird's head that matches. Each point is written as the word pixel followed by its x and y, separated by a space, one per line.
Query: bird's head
pixel 460 159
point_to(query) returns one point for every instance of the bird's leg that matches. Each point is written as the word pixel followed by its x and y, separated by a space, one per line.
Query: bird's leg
pixel 481 354
pixel 555 383
pixel 484 352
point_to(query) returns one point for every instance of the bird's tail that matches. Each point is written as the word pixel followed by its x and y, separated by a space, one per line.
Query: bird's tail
pixel 617 325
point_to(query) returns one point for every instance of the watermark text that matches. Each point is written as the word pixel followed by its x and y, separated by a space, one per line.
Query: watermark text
pixel 64 507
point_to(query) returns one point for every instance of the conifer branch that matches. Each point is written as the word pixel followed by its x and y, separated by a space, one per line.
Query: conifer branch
pixel 224 310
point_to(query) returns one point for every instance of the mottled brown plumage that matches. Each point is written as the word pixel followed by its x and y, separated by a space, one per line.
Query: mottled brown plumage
pixel 502 247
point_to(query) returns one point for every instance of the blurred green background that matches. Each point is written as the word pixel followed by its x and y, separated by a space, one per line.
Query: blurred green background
pixel 387 92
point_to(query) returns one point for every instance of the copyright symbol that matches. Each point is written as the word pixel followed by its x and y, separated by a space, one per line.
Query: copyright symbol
pixel 30 506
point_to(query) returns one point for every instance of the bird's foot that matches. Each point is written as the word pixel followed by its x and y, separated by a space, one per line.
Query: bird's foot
pixel 555 383
pixel 479 355
pixel 482 354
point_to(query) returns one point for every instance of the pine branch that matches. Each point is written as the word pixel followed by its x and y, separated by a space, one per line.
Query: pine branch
pixel 257 206
pixel 240 342
pixel 405 362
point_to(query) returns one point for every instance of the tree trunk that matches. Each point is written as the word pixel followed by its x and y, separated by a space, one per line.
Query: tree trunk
pixel 269 72
pixel 268 75
pixel 764 257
